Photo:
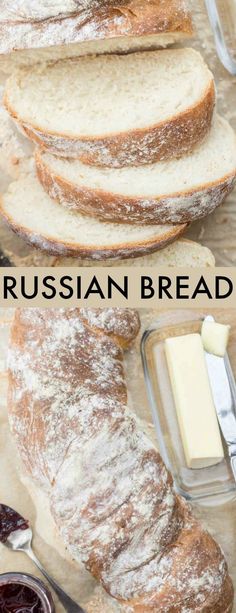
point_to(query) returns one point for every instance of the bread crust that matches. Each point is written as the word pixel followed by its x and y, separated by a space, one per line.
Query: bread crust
pixel 186 547
pixel 111 496
pixel 89 252
pixel 22 12
pixel 171 138
pixel 176 208
pixel 133 18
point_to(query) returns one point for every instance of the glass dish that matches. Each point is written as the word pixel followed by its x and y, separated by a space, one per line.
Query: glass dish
pixel 227 12
pixel 206 485
pixel 223 22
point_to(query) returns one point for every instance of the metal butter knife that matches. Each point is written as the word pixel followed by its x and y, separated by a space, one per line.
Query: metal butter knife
pixel 223 388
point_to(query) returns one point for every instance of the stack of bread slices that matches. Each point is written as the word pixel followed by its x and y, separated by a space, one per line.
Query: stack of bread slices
pixel 129 149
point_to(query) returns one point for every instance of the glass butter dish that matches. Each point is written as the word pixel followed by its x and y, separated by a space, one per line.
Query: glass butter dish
pixel 212 485
pixel 222 18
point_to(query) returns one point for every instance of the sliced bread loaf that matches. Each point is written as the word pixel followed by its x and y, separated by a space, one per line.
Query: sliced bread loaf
pixel 111 26
pixel 41 221
pixel 177 191
pixel 116 110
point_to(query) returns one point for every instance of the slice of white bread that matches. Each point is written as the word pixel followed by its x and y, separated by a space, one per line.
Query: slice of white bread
pixel 28 36
pixel 116 110
pixel 181 253
pixel 41 221
pixel 176 191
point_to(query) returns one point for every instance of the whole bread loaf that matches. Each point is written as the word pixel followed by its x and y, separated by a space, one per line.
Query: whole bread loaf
pixel 111 496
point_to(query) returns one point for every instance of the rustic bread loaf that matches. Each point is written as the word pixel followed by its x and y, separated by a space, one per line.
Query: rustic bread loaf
pixel 116 110
pixel 112 26
pixel 111 496
pixel 32 214
pixel 176 191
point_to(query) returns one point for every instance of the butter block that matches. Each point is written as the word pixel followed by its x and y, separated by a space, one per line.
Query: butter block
pixel 215 337
pixel 194 404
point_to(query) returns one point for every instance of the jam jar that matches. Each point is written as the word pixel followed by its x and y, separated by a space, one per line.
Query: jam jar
pixel 22 592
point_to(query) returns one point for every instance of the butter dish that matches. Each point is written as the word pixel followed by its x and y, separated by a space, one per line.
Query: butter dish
pixel 222 18
pixel 213 484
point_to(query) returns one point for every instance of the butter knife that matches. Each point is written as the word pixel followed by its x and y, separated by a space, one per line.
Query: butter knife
pixel 223 389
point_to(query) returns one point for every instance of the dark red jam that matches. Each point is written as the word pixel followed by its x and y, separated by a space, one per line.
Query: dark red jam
pixel 9 522
pixel 18 598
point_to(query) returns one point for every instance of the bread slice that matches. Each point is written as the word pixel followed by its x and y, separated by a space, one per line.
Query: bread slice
pixel 32 31
pixel 15 150
pixel 177 191
pixel 116 110
pixel 181 253
pixel 41 221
